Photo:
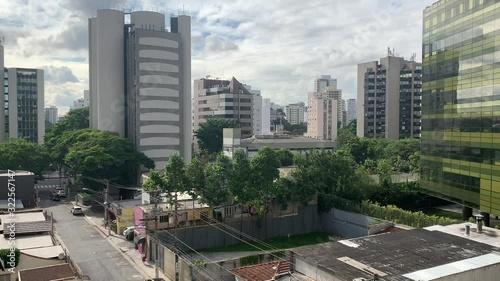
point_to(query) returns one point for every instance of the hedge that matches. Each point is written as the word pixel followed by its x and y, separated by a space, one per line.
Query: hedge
pixel 4 255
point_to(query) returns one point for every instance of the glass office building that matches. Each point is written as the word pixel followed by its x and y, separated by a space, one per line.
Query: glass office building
pixel 461 103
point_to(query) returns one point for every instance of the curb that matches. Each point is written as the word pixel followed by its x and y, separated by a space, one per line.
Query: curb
pixel 130 260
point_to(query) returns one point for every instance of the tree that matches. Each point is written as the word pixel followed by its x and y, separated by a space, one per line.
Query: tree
pixel 215 191
pixel 384 172
pixel 414 161
pixel 240 182
pixel 103 155
pixel 285 157
pixel 75 119
pixel 352 127
pixel 209 134
pixel 176 180
pixel 196 177
pixel 265 172
pixel 19 154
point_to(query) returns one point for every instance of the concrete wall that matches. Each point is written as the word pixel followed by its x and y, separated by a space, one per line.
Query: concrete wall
pixel 345 224
pixel 25 188
pixel 313 271
pixel 217 235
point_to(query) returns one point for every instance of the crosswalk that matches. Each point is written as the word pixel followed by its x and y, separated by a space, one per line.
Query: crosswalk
pixel 46 186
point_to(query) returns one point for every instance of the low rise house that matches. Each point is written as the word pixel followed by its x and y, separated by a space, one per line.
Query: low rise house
pixel 24 184
pixel 33 238
pixel 444 253
pixel 232 141
pixel 123 211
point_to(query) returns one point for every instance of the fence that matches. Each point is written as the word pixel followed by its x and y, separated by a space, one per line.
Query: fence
pixel 220 235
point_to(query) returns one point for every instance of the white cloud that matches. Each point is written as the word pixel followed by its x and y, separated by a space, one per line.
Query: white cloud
pixel 277 46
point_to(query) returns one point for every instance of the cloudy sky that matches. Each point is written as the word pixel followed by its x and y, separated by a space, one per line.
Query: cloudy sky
pixel 277 46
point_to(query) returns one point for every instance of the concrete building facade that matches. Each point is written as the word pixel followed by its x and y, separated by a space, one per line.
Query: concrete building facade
pixel 266 116
pixel 389 98
pixel 3 123
pixel 294 113
pixel 140 77
pixel 323 114
pixel 223 99
pixel 351 110
pixel 257 110
pixel 24 104
pixel 51 114
pixel 324 81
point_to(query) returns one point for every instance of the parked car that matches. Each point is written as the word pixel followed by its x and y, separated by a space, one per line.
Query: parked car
pixel 56 197
pixel 128 230
pixel 60 191
pixel 76 211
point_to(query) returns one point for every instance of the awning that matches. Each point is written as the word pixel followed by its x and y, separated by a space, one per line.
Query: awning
pixel 139 239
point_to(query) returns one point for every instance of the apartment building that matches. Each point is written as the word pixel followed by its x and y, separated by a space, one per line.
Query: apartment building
pixel 389 98
pixel 266 116
pixel 24 115
pixel 51 114
pixel 257 109
pixel 294 113
pixel 223 99
pixel 140 80
pixel 323 116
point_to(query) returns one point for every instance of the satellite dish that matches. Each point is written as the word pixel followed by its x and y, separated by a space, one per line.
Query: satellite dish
pixel 61 256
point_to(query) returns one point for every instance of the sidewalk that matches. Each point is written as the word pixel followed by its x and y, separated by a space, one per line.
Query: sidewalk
pixel 126 248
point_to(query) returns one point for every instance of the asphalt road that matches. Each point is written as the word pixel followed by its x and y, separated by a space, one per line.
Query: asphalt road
pixel 95 256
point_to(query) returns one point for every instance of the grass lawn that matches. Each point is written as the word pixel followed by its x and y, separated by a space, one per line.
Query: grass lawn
pixel 442 213
pixel 278 242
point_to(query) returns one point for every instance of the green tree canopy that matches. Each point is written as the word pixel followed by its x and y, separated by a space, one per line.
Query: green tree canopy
pixel 216 191
pixel 285 157
pixel 20 154
pixel 209 134
pixel 104 155
pixel 240 182
pixel 75 119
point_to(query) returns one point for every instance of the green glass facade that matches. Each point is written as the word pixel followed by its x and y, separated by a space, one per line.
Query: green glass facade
pixel 461 102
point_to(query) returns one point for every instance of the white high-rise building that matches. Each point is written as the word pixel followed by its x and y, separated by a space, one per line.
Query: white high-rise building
pixel 257 110
pixel 324 112
pixel 151 103
pixel 79 103
pixel 351 110
pixel 266 116
pixel 51 114
pixel 295 113
pixel 86 98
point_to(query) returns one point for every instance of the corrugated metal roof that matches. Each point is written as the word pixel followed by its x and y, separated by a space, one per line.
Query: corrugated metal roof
pixel 28 242
pixel 44 252
pixel 22 217
pixel 454 267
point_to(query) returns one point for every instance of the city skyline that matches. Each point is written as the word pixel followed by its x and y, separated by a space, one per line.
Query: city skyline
pixel 240 32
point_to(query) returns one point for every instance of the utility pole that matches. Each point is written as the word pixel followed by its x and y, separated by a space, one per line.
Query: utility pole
pixel 175 240
pixel 153 216
pixel 106 207
pixel 60 179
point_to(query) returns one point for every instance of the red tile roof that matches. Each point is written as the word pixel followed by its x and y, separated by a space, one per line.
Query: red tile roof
pixel 391 230
pixel 263 272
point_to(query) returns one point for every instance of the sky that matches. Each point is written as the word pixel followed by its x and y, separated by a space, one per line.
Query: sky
pixel 278 46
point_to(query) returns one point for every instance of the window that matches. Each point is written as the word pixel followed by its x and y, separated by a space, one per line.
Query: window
pixel 163 219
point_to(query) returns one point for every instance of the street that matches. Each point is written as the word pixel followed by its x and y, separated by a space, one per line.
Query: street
pixel 96 257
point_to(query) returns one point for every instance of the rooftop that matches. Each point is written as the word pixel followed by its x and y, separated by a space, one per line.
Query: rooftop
pixel 28 242
pixel 25 228
pixel 57 272
pixel 392 255
pixel 45 252
pixel 127 203
pixel 22 217
pixel 286 142
pixel 263 272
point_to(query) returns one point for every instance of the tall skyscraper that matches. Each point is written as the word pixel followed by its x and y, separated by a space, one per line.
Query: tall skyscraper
pixel 461 105
pixel 320 84
pixel 351 110
pixel 4 99
pixel 266 116
pixel 140 80
pixel 223 99
pixel 24 104
pixel 51 114
pixel 389 98
pixel 324 113
pixel 295 113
